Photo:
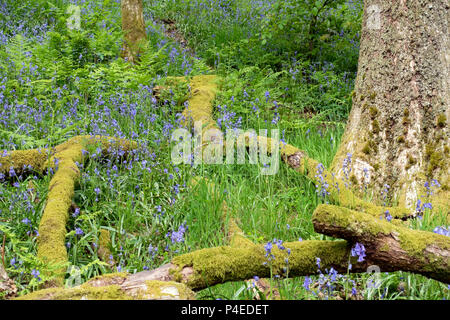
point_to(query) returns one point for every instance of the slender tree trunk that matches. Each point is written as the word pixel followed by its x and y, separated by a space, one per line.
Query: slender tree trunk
pixel 133 27
pixel 397 132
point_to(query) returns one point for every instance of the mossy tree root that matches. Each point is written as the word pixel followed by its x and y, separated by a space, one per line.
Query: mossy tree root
pixel 207 267
pixel 63 159
pixel 117 286
pixel 389 246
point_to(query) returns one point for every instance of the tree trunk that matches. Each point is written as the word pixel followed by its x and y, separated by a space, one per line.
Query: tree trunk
pixel 133 27
pixel 398 126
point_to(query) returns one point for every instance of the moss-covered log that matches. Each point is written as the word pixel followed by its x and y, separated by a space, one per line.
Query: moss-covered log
pixel 52 227
pixel 391 247
pixel 211 266
pixel 117 286
pixel 207 267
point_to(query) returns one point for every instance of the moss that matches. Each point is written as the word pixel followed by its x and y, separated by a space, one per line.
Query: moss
pixel 358 222
pixel 108 287
pixel 411 161
pixel 401 139
pixel 429 149
pixel 220 264
pixel 441 120
pixel 104 244
pixel 376 166
pixel 203 90
pixel 375 126
pixel 19 159
pixel 287 150
pixel 84 292
pixel 372 95
pixel 366 148
pixel 436 160
pixel 167 290
pixel 52 227
pixel 414 242
pixel 373 111
pixel 405 119
pixel 353 180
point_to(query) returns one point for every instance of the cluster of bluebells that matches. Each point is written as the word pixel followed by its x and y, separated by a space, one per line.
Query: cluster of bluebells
pixel 121 113
pixel 177 236
pixel 347 169
pixel 268 248
pixel 359 251
pixel 421 206
pixel 36 274
pixel 442 230
pixel 385 194
pixel 322 187
pixel 327 282
pixel 387 216
pixel 228 119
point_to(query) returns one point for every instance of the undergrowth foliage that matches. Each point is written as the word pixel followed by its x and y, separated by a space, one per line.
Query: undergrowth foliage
pixel 288 65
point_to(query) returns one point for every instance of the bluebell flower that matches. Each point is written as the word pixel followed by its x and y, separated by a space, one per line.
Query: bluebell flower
pixel 306 283
pixel 358 251
pixel 442 230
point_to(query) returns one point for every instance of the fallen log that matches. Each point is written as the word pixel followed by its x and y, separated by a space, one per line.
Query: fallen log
pixel 391 247
pixel 206 267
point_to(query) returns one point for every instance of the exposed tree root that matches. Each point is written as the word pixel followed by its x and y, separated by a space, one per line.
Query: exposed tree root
pixel 389 246
pixel 117 286
pixel 63 158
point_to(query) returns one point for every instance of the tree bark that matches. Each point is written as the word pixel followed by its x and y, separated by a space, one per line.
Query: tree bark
pixel 7 286
pixel 133 27
pixel 398 125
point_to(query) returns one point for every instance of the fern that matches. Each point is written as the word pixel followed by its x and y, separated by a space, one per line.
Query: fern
pixel 18 50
